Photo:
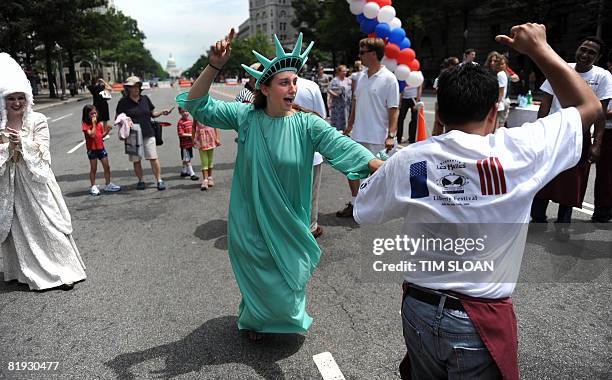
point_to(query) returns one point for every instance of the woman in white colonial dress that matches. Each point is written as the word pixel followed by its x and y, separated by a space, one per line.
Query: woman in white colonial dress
pixel 36 244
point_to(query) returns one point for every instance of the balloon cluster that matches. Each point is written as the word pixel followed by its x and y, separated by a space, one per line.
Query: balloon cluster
pixel 377 19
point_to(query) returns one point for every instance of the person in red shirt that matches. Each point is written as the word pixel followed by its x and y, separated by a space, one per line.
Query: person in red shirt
pixel 95 132
pixel 184 129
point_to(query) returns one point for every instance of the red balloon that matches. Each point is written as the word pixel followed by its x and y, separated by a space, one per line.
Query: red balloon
pixel 414 65
pixel 372 35
pixel 382 3
pixel 406 56
pixel 392 50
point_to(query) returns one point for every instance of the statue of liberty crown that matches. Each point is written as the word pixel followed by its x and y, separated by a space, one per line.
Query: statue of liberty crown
pixel 282 62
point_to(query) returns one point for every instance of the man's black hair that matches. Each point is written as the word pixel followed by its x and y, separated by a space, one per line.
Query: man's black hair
pixel 597 40
pixel 466 93
pixel 468 51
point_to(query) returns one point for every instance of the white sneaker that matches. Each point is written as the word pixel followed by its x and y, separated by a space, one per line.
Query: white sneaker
pixel 94 190
pixel 112 188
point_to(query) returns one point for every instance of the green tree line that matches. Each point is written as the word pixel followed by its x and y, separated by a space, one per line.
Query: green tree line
pixel 39 32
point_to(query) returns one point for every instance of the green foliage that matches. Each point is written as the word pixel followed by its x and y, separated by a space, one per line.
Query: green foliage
pixel 80 30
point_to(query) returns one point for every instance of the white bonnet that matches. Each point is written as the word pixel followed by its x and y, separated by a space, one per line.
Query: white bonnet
pixel 13 79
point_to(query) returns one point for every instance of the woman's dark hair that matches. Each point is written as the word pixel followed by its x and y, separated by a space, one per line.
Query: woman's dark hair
pixel 260 101
pixel 466 93
pixel 86 110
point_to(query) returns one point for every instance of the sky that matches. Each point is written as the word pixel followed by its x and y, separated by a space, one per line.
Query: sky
pixel 185 28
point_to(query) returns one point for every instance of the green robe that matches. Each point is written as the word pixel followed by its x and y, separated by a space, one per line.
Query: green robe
pixel 272 252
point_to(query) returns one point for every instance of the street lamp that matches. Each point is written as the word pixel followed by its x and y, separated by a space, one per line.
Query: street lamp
pixel 61 69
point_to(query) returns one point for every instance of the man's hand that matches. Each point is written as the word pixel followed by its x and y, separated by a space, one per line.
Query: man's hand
pixel 220 52
pixel 526 38
pixel 595 153
pixel 389 143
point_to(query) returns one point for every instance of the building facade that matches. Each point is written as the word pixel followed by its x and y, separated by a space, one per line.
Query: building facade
pixel 270 17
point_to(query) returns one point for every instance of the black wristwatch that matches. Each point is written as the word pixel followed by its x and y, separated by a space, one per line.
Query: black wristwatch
pixel 391 135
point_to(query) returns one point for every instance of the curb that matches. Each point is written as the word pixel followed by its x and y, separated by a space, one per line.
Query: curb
pixel 58 103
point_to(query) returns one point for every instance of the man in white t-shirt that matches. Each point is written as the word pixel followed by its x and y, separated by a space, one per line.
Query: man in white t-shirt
pixel 374 109
pixel 309 96
pixel 466 181
pixel 569 188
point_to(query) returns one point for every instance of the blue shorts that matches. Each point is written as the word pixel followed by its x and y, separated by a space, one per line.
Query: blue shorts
pixel 186 154
pixel 97 154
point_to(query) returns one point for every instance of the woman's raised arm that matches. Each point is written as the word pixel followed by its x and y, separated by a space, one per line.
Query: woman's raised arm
pixel 219 55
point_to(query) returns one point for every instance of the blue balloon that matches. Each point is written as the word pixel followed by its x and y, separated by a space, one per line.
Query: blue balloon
pixel 382 30
pixel 402 84
pixel 405 44
pixel 360 17
pixel 397 35
pixel 368 25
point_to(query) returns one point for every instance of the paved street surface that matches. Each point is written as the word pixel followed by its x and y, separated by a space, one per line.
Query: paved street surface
pixel 160 300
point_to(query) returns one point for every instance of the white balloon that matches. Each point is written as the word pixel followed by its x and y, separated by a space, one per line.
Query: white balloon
pixel 370 10
pixel 395 23
pixel 415 79
pixel 386 14
pixel 389 63
pixel 402 72
pixel 357 7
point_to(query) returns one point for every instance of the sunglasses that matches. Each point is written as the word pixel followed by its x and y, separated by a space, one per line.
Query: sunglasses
pixel 361 52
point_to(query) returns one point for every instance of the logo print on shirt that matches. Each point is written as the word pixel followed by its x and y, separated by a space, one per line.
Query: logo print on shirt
pixel 492 177
pixel 418 180
pixel 452 183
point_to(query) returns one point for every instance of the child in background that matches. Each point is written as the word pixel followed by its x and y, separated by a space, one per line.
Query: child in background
pixel 95 132
pixel 206 139
pixel 185 130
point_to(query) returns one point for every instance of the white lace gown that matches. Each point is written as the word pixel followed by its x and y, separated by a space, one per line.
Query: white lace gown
pixel 36 246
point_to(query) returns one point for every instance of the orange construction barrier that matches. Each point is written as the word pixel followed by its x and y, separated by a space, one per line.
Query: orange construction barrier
pixel 118 87
pixel 421 126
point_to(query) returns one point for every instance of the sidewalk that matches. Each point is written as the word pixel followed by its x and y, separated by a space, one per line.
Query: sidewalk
pixel 43 101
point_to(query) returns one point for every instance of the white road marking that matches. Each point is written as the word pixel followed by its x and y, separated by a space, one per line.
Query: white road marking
pixel 588 212
pixel 327 366
pixel 76 147
pixel 61 117
pixel 588 205
pixel 82 143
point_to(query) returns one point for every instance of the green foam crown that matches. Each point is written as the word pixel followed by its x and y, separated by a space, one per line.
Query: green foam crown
pixel 293 61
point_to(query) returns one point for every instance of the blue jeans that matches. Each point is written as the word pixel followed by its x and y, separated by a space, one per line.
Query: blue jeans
pixel 444 344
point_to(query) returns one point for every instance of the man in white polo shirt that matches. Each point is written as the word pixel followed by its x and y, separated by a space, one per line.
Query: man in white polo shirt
pixel 374 109
pixel 468 181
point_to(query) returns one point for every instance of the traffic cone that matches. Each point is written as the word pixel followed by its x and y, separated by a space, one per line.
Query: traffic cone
pixel 421 126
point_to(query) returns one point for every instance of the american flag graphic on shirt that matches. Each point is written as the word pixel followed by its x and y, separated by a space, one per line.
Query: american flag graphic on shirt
pixel 492 177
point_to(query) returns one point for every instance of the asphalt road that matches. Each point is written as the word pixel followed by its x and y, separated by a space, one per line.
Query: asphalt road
pixel 160 300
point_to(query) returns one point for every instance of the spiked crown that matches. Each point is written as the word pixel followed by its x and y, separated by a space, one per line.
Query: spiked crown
pixel 293 61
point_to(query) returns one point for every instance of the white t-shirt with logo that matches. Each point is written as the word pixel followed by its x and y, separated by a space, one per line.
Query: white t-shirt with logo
pixel 461 178
pixel 309 96
pixel 599 79
pixel 374 96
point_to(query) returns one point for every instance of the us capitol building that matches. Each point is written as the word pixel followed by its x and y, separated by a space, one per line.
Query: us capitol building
pixel 171 68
